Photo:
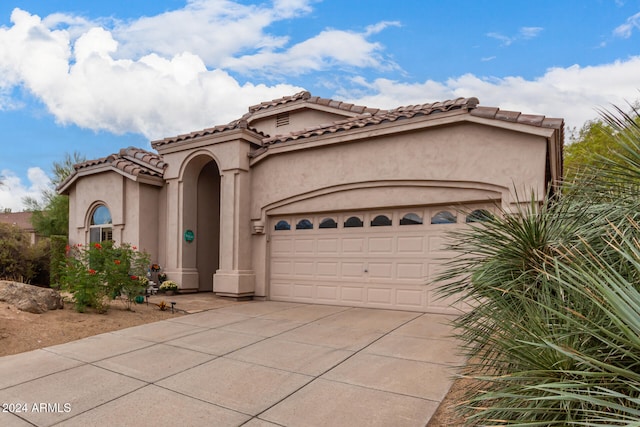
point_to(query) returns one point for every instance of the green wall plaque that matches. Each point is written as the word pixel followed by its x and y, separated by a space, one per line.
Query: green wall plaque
pixel 189 236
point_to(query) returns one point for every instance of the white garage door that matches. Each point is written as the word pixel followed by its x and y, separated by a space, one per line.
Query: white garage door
pixel 367 259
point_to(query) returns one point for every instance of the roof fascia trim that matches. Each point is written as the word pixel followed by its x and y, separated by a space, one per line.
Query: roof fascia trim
pixel 212 139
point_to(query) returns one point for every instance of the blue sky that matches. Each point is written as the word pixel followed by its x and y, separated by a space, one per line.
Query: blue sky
pixel 94 77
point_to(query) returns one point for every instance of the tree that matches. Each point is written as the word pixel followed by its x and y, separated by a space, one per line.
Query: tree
pixel 597 140
pixel 51 217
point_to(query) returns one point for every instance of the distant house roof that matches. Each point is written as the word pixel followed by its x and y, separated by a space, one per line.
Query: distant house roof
pixel 21 220
pixel 134 163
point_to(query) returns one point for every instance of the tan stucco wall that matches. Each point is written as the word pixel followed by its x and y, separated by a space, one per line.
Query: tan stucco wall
pixel 475 157
pixel 134 210
pixel 230 152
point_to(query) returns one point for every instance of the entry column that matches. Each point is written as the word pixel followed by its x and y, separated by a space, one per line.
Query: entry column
pixel 235 278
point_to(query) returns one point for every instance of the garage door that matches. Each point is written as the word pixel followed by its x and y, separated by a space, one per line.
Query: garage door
pixel 365 259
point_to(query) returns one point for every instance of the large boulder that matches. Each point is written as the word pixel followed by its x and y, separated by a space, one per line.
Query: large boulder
pixel 30 298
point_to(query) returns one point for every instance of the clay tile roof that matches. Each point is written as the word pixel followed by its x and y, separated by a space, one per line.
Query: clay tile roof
pixel 284 100
pixel 517 117
pixel 306 98
pixel 132 161
pixel 236 124
pixel 375 116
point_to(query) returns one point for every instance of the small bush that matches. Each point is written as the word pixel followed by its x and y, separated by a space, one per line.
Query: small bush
pixel 19 260
pixel 57 256
pixel 104 271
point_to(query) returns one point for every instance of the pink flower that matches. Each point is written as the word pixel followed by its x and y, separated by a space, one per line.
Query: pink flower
pixel 135 248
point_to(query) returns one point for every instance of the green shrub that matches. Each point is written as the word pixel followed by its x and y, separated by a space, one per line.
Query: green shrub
pixel 553 335
pixel 104 271
pixel 19 260
pixel 57 256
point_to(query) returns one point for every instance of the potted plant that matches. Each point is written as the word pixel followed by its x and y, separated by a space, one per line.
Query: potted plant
pixel 169 287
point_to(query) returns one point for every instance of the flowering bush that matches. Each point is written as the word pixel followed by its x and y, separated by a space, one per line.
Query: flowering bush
pixel 169 285
pixel 102 271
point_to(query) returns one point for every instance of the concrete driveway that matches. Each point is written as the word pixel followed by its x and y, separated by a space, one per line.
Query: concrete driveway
pixel 253 364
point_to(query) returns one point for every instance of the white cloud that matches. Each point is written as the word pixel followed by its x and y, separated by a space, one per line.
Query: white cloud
pixel 162 75
pixel 328 49
pixel 530 32
pixel 574 93
pixel 13 190
pixel 625 30
pixel 524 33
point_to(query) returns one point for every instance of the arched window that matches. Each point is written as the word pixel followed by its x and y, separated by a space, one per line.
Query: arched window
pixel 411 219
pixel 304 224
pixel 328 223
pixel 282 225
pixel 100 228
pixel 479 215
pixel 353 221
pixel 443 217
pixel 381 221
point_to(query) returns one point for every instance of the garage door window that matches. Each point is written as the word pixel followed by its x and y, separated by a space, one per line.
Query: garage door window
pixel 282 225
pixel 479 215
pixel 353 221
pixel 411 219
pixel 328 223
pixel 304 224
pixel 381 221
pixel 443 217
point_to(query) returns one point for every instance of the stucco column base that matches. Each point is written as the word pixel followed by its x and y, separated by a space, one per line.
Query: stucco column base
pixel 234 283
pixel 186 278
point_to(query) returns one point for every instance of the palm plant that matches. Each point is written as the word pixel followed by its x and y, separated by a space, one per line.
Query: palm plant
pixel 553 336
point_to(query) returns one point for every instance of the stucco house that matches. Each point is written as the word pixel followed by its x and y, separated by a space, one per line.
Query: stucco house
pixel 309 199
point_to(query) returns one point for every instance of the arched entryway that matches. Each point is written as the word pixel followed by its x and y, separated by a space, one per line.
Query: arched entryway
pixel 207 238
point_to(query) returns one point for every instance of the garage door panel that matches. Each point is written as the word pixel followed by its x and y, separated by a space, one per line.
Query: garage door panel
pixel 301 290
pixel 282 267
pixel 411 245
pixel 352 294
pixel 328 269
pixel 411 298
pixel 381 245
pixel 353 245
pixel 303 268
pixel 328 246
pixel 380 270
pixel 380 296
pixel 282 246
pixel 438 243
pixel 352 269
pixel 304 246
pixel 326 292
pixel 280 289
pixel 414 271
